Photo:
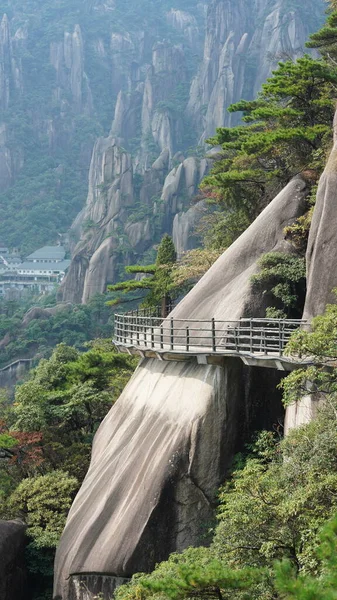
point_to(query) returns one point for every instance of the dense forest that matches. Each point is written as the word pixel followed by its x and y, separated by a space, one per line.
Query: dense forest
pixel 275 535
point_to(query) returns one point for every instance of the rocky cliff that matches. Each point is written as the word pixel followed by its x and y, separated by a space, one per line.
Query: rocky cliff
pixel 162 112
pixel 321 251
pixel 149 81
pixel 13 570
pixel 63 72
pixel 244 42
pixel 162 451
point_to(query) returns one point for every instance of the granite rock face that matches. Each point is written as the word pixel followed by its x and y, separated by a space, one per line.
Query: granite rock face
pixel 322 247
pixel 244 41
pixel 225 292
pixel 158 459
pixel 160 112
pixel 67 58
pixel 109 223
pixel 12 566
pixel 11 86
pixel 162 451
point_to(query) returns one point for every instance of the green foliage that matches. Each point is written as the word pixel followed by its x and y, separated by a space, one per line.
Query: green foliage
pixel 45 442
pixel 166 252
pixel 320 347
pixel 194 573
pixel 193 265
pixel 43 503
pixel 325 40
pixel 292 586
pixel 282 134
pixel 75 326
pixel 298 232
pixel 67 396
pixel 159 282
pixel 282 276
pixel 272 508
pixel 62 404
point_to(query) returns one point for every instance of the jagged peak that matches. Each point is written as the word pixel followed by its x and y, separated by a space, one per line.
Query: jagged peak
pixel 5 27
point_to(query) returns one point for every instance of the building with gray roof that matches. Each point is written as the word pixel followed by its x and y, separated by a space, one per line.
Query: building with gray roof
pixel 47 254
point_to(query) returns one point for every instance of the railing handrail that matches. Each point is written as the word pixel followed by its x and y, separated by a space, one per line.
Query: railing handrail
pixel 144 313
pixel 245 335
pixel 236 321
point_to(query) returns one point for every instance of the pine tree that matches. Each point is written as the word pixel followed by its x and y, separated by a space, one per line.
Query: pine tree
pixel 159 283
pixel 284 132
pixel 325 40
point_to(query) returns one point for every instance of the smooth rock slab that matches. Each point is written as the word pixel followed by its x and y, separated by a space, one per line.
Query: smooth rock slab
pixel 158 459
pixel 322 244
pixel 87 587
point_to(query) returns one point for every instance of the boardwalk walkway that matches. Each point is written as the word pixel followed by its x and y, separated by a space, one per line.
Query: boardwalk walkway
pixel 258 342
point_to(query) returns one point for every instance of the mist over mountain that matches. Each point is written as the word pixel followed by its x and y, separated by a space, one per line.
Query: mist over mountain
pixel 118 86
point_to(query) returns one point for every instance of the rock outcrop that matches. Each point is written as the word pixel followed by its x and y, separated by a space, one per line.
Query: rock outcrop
pixel 126 214
pixel 67 58
pixel 322 250
pixel 155 115
pixel 11 87
pixel 225 292
pixel 244 41
pixel 13 573
pixel 162 451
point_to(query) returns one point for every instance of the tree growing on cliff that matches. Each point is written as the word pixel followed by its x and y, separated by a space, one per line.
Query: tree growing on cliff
pixel 158 281
pixel 197 574
pixel 319 344
pixel 272 509
pixel 325 40
pixel 285 132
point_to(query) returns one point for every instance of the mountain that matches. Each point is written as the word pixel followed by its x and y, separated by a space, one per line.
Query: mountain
pixel 123 97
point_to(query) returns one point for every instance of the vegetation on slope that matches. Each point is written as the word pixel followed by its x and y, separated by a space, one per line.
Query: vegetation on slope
pixel 75 326
pixel 272 508
pixel 281 493
pixel 45 442
pixel 285 131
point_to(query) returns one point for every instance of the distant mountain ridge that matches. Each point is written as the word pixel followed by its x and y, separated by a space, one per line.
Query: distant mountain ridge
pixel 134 90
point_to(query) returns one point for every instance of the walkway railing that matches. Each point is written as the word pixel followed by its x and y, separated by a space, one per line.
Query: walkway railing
pixel 143 330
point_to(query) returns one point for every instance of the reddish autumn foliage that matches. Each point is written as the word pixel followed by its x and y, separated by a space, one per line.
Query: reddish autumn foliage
pixel 27 453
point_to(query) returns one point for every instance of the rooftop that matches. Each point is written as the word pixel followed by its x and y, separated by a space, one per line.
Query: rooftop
pixel 43 266
pixel 48 252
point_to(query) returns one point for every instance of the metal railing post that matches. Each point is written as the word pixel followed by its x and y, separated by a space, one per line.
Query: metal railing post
pixel 152 334
pixel 265 342
pixel 213 335
pixel 236 339
pixel 140 327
